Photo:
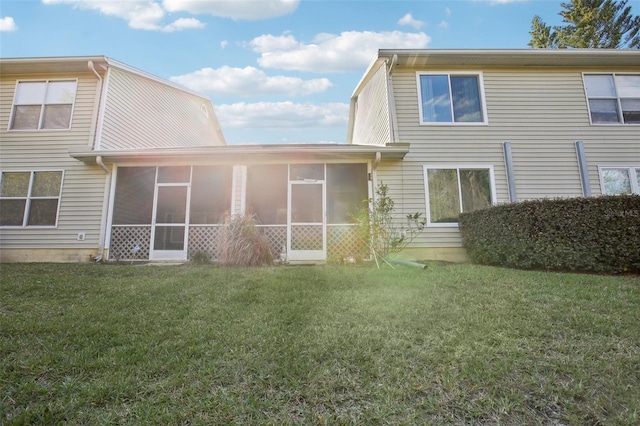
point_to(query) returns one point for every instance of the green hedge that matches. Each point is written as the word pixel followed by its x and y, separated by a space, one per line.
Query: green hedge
pixel 595 234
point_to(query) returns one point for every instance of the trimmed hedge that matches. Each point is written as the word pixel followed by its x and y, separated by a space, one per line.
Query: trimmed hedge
pixel 594 234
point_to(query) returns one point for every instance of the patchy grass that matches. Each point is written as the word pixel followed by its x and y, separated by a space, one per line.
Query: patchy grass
pixel 102 344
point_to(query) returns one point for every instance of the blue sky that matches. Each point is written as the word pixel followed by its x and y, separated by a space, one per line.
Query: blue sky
pixel 277 71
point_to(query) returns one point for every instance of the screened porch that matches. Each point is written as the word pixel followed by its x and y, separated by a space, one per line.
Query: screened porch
pixel 171 212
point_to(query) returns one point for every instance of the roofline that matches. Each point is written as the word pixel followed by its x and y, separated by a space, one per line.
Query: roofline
pixel 98 60
pixel 511 52
pixel 244 154
pixel 513 57
pixel 117 64
pixel 53 59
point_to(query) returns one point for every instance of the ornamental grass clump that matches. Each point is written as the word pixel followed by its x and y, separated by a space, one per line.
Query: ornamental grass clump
pixel 242 243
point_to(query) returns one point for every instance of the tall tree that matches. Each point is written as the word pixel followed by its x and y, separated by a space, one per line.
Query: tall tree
pixel 606 24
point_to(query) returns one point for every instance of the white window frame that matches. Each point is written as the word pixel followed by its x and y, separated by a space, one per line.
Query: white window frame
pixel 28 198
pixel 42 105
pixel 634 172
pixel 483 102
pixel 457 167
pixel 617 98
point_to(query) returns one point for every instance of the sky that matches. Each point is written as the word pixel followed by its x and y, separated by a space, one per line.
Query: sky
pixel 277 71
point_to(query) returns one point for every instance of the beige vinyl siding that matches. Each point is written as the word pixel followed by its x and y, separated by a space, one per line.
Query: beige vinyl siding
pixel 144 113
pixel 606 149
pixel 542 112
pixel 371 124
pixel 81 200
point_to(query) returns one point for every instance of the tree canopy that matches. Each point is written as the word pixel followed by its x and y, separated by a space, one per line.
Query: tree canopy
pixel 607 24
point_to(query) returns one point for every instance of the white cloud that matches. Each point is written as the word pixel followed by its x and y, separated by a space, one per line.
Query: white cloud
pixel 349 51
pixel 282 115
pixel 234 9
pixel 183 24
pixel 248 81
pixel 224 44
pixel 447 11
pixel 8 24
pixel 408 19
pixel 140 14
pixel 443 24
pixel 268 43
pixel 150 14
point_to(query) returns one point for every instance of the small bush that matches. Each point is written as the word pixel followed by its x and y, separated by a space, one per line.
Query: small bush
pixel 595 234
pixel 200 257
pixel 242 244
pixel 379 228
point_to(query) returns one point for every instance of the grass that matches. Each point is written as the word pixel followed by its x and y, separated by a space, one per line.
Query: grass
pixel 452 344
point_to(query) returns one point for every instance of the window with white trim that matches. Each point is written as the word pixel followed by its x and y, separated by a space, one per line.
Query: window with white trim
pixel 43 105
pixel 613 98
pixel 30 198
pixel 451 98
pixel 619 180
pixel 453 190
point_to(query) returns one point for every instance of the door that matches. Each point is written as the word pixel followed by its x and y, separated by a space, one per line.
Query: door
pixel 169 226
pixel 306 237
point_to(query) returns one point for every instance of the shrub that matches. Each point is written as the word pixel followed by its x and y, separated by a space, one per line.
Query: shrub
pixel 379 227
pixel 242 244
pixel 595 234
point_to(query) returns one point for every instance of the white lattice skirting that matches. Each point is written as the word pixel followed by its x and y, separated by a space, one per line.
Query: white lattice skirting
pixel 132 242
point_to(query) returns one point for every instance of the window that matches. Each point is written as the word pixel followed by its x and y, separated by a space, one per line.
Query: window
pixel 452 190
pixel 30 198
pixel 43 105
pixel 620 180
pixel 451 98
pixel 613 98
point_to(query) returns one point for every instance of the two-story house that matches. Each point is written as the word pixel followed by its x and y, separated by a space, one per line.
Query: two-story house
pixel 52 206
pixel 497 126
pixel 102 161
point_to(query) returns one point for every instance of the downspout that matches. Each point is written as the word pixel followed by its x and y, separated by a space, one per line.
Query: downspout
pixel 583 169
pixel 99 162
pixel 393 134
pixel 105 208
pixel 96 103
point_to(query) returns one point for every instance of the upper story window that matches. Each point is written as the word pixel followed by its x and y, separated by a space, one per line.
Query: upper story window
pixel 30 198
pixel 43 105
pixel 619 180
pixel 613 98
pixel 451 98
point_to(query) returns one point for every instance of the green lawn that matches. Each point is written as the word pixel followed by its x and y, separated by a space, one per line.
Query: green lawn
pixel 116 344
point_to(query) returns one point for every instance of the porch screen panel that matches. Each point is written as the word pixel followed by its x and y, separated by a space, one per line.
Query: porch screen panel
pixel 346 191
pixel 210 194
pixel 267 193
pixel 133 203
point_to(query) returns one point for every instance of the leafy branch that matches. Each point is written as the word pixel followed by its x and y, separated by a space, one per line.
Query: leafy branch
pixel 384 234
